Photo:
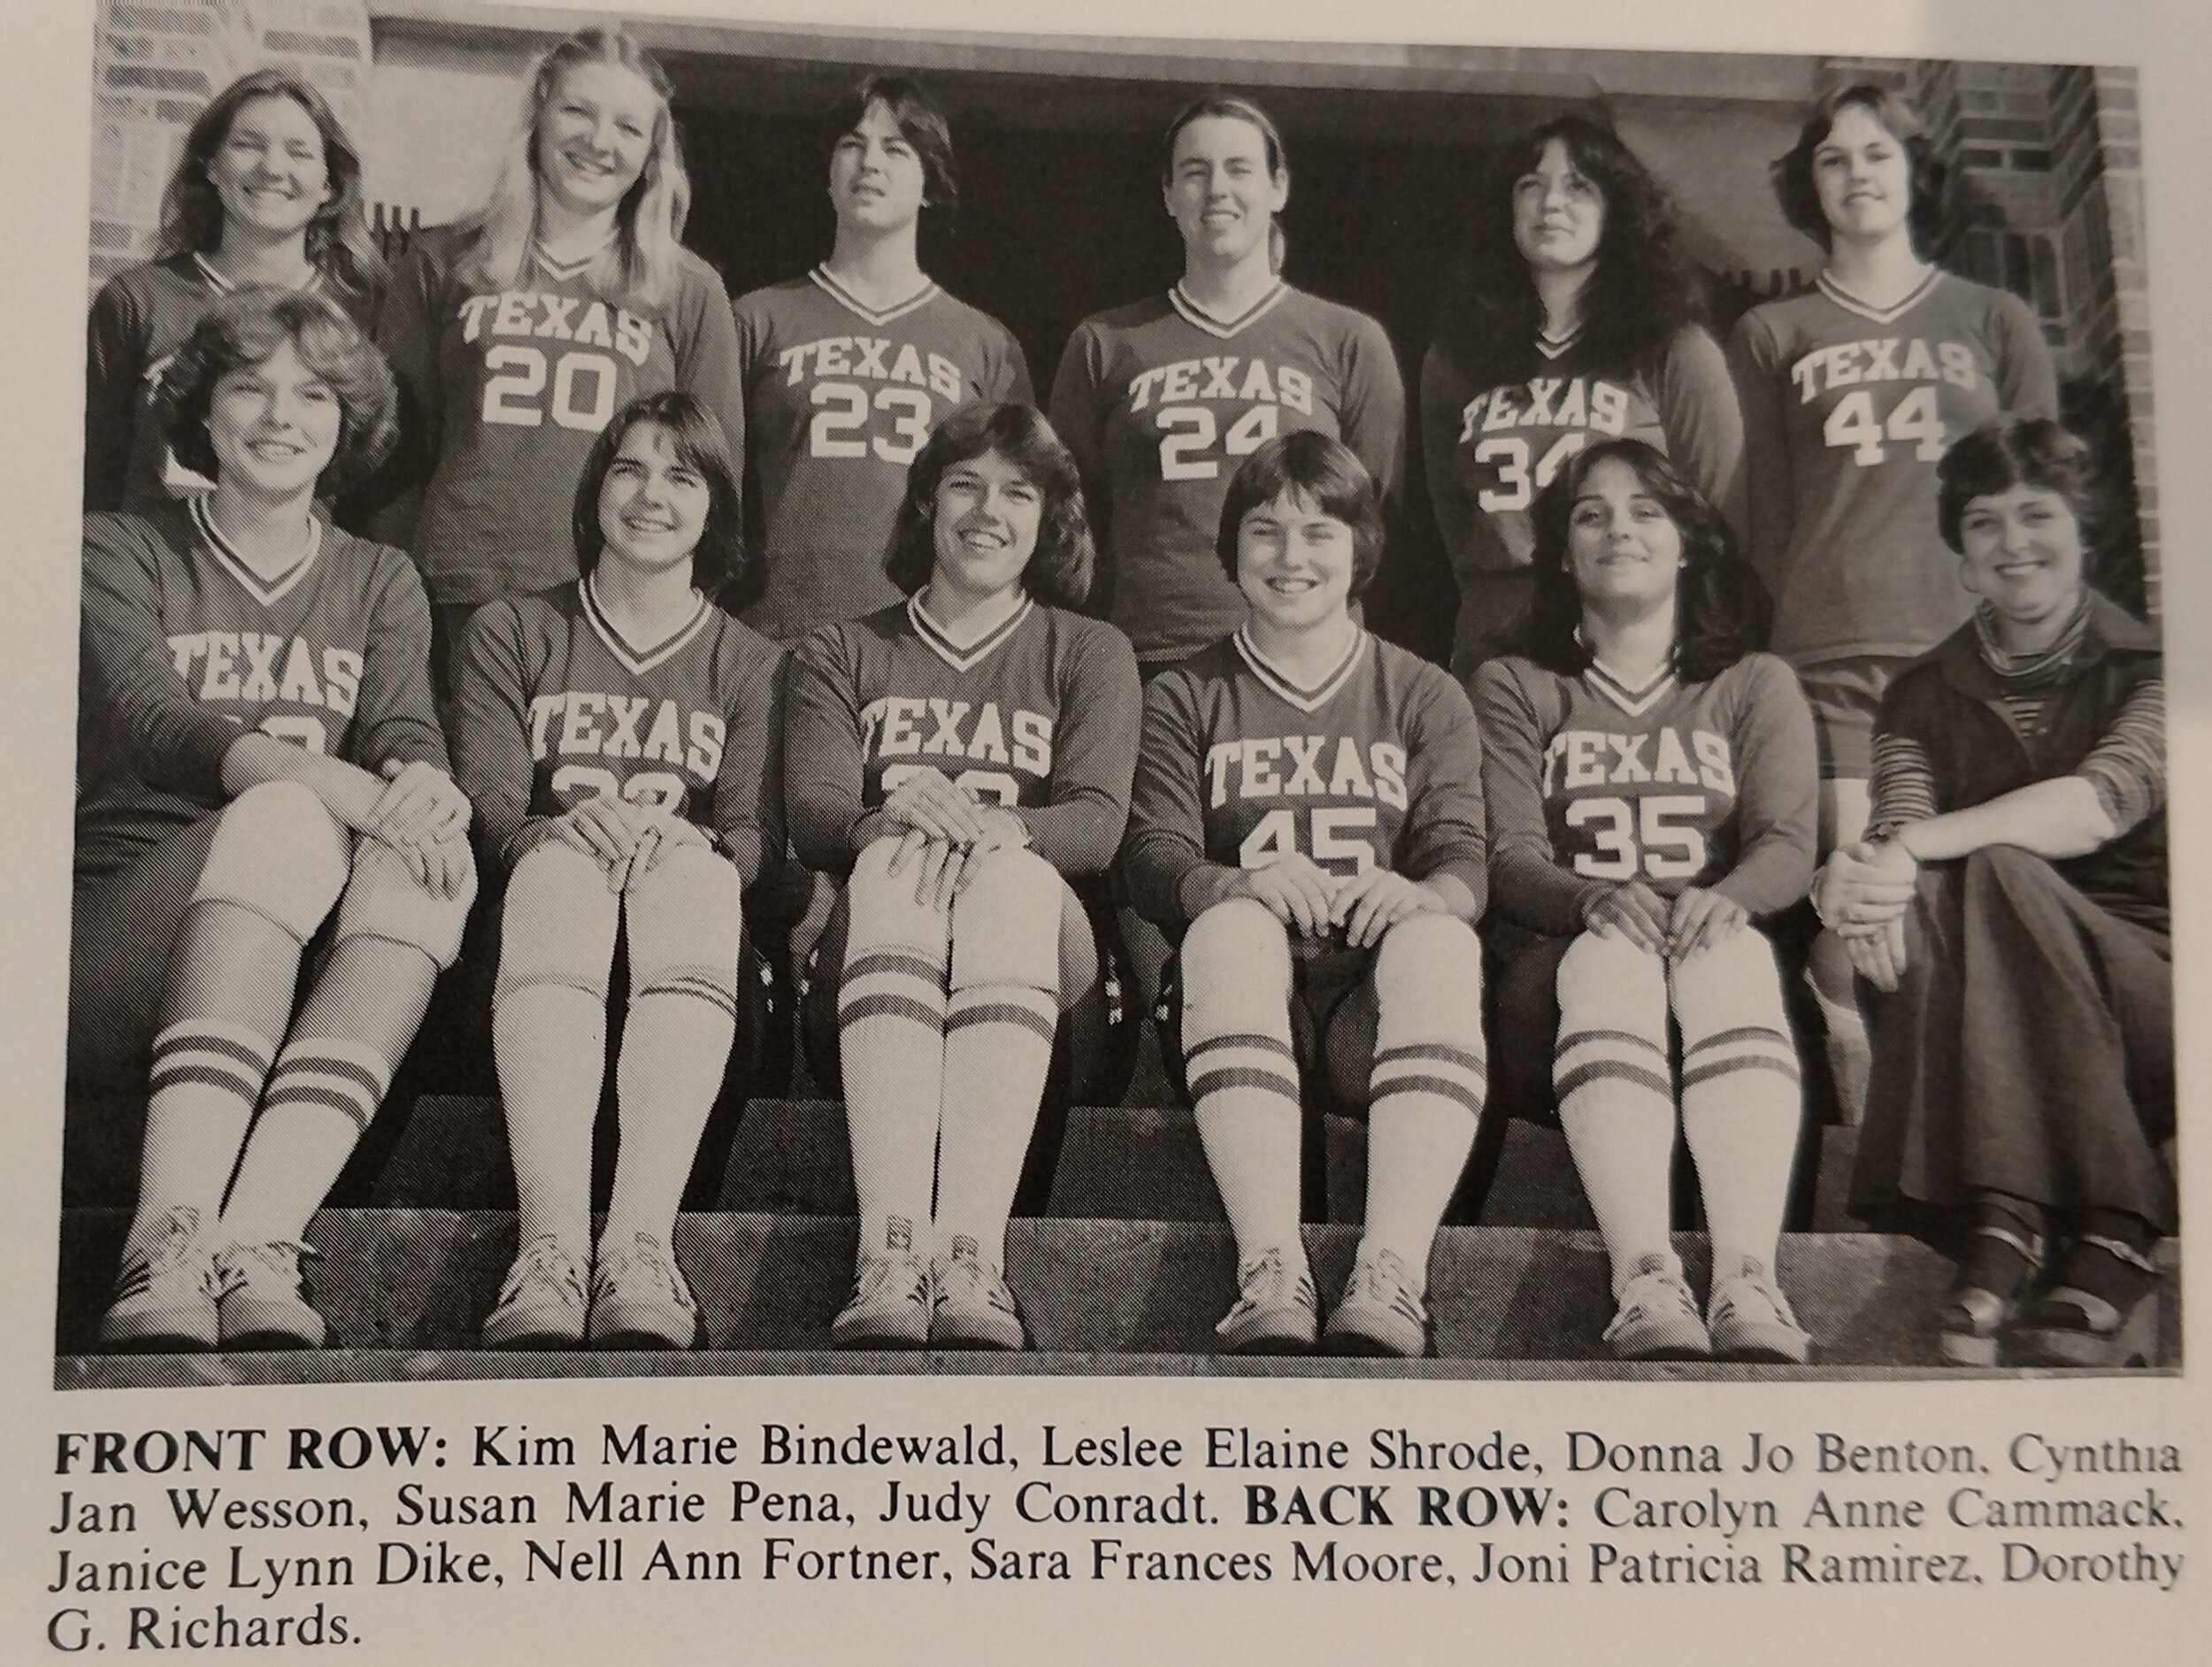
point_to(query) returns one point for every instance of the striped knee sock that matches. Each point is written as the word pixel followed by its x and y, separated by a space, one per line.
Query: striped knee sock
pixel 206 1078
pixel 891 1021
pixel 1424 1098
pixel 998 1047
pixel 1617 1105
pixel 321 1097
pixel 1246 1089
pixel 1741 1108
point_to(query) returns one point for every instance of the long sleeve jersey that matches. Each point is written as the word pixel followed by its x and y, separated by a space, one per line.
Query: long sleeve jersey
pixel 1038 715
pixel 505 391
pixel 556 707
pixel 1591 783
pixel 1160 400
pixel 1377 764
pixel 186 647
pixel 839 398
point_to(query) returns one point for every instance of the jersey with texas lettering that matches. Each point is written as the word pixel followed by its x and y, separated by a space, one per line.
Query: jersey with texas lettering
pixel 839 398
pixel 140 319
pixel 1038 715
pixel 1377 765
pixel 1846 409
pixel 506 390
pixel 1160 401
pixel 557 706
pixel 186 647
pixel 1592 783
pixel 1494 439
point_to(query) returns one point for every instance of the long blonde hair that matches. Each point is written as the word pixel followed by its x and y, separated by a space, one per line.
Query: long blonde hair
pixel 641 265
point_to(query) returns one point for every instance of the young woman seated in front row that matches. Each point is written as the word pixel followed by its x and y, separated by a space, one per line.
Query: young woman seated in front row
pixel 617 733
pixel 1308 821
pixel 1653 788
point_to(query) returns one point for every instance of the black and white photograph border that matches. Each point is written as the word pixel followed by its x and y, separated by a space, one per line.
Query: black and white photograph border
pixel 1120 1252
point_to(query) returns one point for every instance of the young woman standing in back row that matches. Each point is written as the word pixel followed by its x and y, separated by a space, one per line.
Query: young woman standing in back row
pixel 849 367
pixel 267 191
pixel 518 334
pixel 1160 400
pixel 1851 392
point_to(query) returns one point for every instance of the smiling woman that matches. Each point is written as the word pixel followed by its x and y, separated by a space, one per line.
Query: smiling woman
pixel 957 762
pixel 518 333
pixel 267 191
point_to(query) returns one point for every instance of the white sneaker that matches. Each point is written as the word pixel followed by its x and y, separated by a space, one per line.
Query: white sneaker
pixel 1379 1315
pixel 639 1299
pixel 1750 1319
pixel 262 1299
pixel 541 1303
pixel 889 1306
pixel 970 1305
pixel 1275 1310
pixel 163 1301
pixel 1657 1317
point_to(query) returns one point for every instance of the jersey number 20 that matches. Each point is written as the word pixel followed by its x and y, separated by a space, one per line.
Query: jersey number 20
pixel 581 396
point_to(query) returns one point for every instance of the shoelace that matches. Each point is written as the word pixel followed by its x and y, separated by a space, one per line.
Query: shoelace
pixel 1652 1295
pixel 645 1252
pixel 1731 1300
pixel 1382 1279
pixel 244 1265
pixel 544 1262
pixel 879 1271
pixel 985 1281
pixel 1265 1282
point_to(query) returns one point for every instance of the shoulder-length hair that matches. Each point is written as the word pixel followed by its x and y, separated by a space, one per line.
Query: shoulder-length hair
pixel 1059 570
pixel 721 567
pixel 1327 474
pixel 640 266
pixel 338 242
pixel 923 126
pixel 1722 611
pixel 1234 107
pixel 244 330
pixel 1798 194
pixel 1643 289
pixel 2007 452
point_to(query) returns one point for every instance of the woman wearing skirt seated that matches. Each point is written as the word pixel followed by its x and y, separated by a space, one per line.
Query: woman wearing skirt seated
pixel 2010 908
pixel 1652 784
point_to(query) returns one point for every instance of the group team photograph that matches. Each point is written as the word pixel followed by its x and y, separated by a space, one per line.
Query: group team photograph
pixel 1708 738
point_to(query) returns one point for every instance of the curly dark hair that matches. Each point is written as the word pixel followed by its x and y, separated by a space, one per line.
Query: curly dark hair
pixel 1059 570
pixel 2007 452
pixel 1798 194
pixel 1645 287
pixel 338 242
pixel 721 567
pixel 1325 472
pixel 921 123
pixel 242 330
pixel 1722 611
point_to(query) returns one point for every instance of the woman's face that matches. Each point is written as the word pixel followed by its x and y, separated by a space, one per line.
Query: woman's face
pixel 1863 175
pixel 1295 563
pixel 985 525
pixel 1219 190
pixel 1622 545
pixel 876 178
pixel 1558 212
pixel 270 173
pixel 595 135
pixel 652 505
pixel 273 426
pixel 2020 551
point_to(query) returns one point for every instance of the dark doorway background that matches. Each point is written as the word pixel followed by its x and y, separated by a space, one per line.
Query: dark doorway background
pixel 1061 215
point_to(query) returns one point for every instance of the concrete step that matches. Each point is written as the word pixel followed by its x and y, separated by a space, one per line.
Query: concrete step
pixel 421 1280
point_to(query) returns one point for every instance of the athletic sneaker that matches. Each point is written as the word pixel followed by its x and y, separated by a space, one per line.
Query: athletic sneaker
pixel 1657 1319
pixel 262 1297
pixel 970 1305
pixel 639 1299
pixel 542 1302
pixel 1750 1319
pixel 1275 1310
pixel 1379 1315
pixel 889 1306
pixel 164 1297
